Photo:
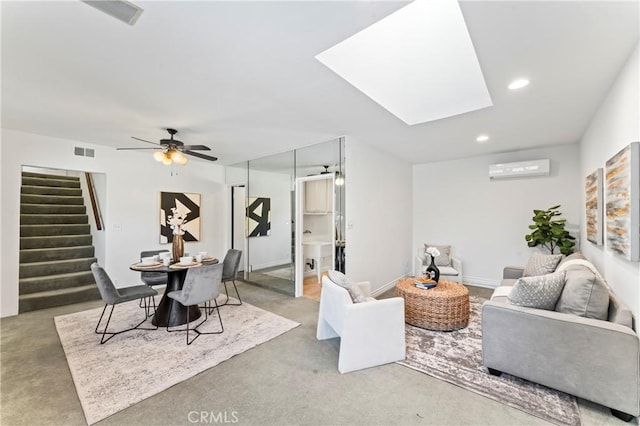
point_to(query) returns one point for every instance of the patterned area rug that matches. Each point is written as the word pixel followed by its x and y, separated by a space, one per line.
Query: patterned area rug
pixel 456 357
pixel 138 364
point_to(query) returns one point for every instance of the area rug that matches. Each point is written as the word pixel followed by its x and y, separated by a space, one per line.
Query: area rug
pixel 285 273
pixel 456 357
pixel 138 364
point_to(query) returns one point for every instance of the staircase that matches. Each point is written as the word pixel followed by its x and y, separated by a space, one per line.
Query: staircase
pixel 56 250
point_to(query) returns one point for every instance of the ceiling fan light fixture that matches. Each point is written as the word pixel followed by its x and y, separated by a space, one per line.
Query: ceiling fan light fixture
pixel 166 160
pixel 182 160
pixel 158 155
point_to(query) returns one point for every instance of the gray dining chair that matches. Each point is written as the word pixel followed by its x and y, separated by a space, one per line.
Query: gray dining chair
pixel 113 296
pixel 201 285
pixel 151 278
pixel 231 265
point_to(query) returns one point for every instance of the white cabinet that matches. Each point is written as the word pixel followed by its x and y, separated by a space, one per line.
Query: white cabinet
pixel 317 196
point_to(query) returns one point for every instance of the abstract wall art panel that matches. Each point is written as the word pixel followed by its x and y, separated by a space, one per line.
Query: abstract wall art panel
pixel 179 207
pixel 593 207
pixel 623 218
pixel 259 217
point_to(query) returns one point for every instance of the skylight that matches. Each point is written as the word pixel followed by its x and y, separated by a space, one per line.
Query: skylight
pixel 418 63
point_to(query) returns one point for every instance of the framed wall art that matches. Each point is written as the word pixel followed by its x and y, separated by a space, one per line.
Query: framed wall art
pixel 180 209
pixel 593 207
pixel 623 215
pixel 259 217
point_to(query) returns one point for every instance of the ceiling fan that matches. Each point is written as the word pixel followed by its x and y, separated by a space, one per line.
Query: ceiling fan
pixel 172 150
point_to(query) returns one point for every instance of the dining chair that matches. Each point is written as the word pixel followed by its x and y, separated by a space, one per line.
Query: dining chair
pixel 151 278
pixel 201 285
pixel 231 265
pixel 114 296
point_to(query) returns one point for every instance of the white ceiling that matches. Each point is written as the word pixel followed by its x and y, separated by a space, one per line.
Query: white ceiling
pixel 242 78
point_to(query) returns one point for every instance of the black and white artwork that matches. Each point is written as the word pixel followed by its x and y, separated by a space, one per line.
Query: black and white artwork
pixel 179 210
pixel 259 217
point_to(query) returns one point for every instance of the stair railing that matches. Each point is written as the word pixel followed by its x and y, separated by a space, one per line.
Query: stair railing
pixel 94 201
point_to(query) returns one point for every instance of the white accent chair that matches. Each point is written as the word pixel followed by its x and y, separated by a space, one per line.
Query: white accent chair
pixel 371 333
pixel 452 272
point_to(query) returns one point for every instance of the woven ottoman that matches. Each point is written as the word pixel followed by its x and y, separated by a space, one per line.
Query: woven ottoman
pixel 444 307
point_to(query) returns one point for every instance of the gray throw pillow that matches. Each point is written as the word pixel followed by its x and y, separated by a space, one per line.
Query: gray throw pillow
pixel 445 255
pixel 540 292
pixel 584 294
pixel 541 264
pixel 572 256
pixel 357 296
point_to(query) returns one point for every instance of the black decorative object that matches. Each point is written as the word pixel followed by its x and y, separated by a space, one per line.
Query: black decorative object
pixel 432 269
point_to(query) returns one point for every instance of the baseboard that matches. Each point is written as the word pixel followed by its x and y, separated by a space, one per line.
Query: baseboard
pixel 388 286
pixel 480 282
pixel 259 266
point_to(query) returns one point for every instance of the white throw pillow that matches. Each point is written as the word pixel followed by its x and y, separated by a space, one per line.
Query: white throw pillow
pixel 541 264
pixel 357 296
pixel 540 292
pixel 445 255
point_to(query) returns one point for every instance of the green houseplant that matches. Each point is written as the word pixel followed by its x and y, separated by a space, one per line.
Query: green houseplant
pixel 549 232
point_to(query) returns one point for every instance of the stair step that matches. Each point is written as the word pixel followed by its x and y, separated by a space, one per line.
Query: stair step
pixel 55 253
pixel 40 181
pixel 56 241
pixel 52 298
pixel 56 229
pixel 49 176
pixel 55 282
pixel 51 199
pixel 40 269
pixel 44 219
pixel 51 209
pixel 51 190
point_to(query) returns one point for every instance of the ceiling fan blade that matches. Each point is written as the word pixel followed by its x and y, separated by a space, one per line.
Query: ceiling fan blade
pixel 196 147
pixel 142 140
pixel 197 154
pixel 121 149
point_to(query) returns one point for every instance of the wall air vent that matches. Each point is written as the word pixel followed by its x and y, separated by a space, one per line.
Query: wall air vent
pixel 519 169
pixel 120 9
pixel 84 152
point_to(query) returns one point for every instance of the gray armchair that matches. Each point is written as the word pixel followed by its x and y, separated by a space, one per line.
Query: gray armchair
pixel 114 296
pixel 201 285
pixel 151 278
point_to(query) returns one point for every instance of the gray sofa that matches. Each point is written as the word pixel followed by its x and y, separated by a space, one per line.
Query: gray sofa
pixel 577 353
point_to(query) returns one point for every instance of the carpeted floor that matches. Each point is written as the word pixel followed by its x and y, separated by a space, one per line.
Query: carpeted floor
pixel 456 357
pixel 138 364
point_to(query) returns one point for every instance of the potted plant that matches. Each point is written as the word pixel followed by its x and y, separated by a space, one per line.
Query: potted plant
pixel 549 232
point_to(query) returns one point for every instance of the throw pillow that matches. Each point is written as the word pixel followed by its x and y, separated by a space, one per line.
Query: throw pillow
pixel 572 256
pixel 445 255
pixel 540 292
pixel 541 264
pixel 584 294
pixel 357 296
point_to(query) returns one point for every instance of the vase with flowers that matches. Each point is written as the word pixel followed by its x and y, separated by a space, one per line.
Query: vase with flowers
pixel 176 221
pixel 432 270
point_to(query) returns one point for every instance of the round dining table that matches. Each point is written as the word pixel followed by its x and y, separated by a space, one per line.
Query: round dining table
pixel 169 312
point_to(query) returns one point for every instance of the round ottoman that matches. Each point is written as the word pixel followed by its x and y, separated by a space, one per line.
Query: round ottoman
pixel 444 307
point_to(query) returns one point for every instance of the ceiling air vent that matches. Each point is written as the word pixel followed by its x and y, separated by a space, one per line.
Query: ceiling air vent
pixel 119 9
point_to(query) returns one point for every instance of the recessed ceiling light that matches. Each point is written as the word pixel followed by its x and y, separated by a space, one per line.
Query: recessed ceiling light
pixel 518 84
pixel 482 138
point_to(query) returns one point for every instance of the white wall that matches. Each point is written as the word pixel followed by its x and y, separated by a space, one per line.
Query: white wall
pixel 615 125
pixel 274 249
pixel 485 221
pixel 378 216
pixel 133 185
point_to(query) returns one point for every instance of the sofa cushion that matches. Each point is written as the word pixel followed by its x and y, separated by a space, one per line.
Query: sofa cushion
pixel 572 256
pixel 448 271
pixel 541 264
pixel 357 296
pixel 540 292
pixel 584 294
pixel 445 255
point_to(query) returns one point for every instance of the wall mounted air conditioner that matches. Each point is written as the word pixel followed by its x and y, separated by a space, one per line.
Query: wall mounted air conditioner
pixel 519 169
